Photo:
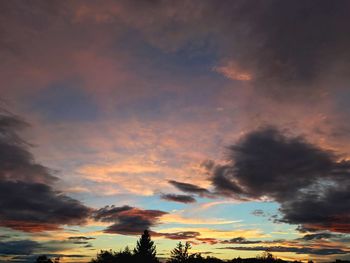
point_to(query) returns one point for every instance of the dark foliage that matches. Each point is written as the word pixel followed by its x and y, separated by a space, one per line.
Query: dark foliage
pixel 145 250
pixel 114 257
pixel 45 259
pixel 180 253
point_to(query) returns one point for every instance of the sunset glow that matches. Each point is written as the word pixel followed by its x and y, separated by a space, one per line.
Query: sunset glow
pixel 222 123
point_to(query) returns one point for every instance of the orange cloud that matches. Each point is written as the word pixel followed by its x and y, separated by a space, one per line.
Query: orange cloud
pixel 232 71
pixel 214 233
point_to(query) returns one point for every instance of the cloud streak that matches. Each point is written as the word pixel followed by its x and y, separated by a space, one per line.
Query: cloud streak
pixel 20 247
pixel 191 188
pixel 297 250
pixel 178 198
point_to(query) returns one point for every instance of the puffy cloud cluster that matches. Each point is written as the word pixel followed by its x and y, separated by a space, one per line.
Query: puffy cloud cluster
pixel 310 183
pixel 127 220
pixel 28 201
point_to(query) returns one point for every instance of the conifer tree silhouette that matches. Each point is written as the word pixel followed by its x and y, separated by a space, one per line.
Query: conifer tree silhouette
pixel 180 253
pixel 145 249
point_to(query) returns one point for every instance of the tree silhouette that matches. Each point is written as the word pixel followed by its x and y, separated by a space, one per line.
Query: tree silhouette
pixel 105 256
pixel 180 253
pixel 267 257
pixel 145 250
pixel 45 259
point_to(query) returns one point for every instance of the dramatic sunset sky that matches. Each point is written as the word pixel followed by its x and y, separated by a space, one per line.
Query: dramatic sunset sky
pixel 223 123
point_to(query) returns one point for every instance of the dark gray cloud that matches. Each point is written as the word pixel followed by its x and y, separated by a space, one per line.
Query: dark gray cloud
pixel 80 238
pixel 180 235
pixel 36 207
pixel 127 220
pixel 224 184
pixel 258 212
pixel 191 188
pixel 29 247
pixel 28 201
pixel 297 250
pixel 318 236
pixel 286 57
pixel 266 163
pixel 110 213
pixel 16 161
pixel 328 209
pixel 240 240
pixel 310 183
pixel 236 240
pixel 20 247
pixel 178 198
pixel 287 53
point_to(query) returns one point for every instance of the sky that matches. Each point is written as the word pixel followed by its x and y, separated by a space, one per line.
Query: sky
pixel 222 123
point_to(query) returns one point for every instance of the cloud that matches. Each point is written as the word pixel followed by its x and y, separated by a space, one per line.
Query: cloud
pixel 258 212
pixel 190 188
pixel 321 244
pixel 178 198
pixel 27 200
pixel 127 220
pixel 240 240
pixel 208 240
pixel 80 238
pixel 231 71
pixel 177 218
pixel 36 207
pixel 318 236
pixel 16 162
pixel 236 240
pixel 19 247
pixel 218 234
pixel 256 39
pixel 297 250
pixel 180 235
pixel 310 183
pixel 31 247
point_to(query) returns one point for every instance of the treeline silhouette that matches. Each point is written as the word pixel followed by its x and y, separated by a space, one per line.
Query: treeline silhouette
pixel 145 252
